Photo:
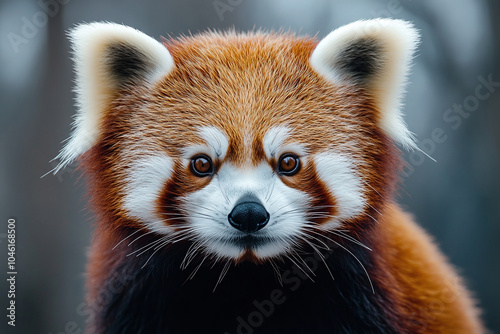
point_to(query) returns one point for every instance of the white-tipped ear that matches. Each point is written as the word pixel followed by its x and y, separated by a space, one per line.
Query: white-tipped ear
pixel 107 57
pixel 376 55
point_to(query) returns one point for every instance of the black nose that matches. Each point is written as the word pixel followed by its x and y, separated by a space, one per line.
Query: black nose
pixel 249 216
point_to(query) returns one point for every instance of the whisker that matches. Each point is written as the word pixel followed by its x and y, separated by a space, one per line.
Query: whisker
pixel 192 216
pixel 268 197
pixel 161 242
pixel 146 248
pixel 304 262
pixel 149 258
pixel 296 264
pixel 181 238
pixel 361 264
pixel 352 239
pixel 373 218
pixel 142 235
pixel 320 234
pixel 222 191
pixel 371 206
pixel 196 269
pixel 205 207
pixel 223 273
pixel 369 185
pixel 320 241
pixel 288 204
pixel 337 233
pixel 187 213
pixel 320 255
pixel 276 271
pixel 126 238
pixel 190 253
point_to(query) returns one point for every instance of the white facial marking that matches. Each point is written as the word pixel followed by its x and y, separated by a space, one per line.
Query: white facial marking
pixel 339 174
pixel 216 139
pixel 274 139
pixel 274 143
pixel 145 180
pixel 216 144
pixel 209 209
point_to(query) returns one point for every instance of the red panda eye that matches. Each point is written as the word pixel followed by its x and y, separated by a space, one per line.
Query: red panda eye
pixel 288 164
pixel 201 165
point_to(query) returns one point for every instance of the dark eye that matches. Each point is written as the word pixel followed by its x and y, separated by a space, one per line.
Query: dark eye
pixel 288 164
pixel 201 165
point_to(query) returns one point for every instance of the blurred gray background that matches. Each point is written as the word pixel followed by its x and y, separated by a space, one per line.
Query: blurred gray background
pixel 456 199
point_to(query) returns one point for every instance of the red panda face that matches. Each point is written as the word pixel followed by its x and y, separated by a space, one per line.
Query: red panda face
pixel 248 146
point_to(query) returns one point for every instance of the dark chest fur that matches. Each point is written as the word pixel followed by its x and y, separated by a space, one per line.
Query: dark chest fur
pixel 159 298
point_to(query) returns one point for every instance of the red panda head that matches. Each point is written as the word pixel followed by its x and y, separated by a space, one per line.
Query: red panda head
pixel 246 145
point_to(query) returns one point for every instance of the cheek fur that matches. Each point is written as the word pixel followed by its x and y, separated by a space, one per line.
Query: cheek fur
pixel 339 174
pixel 143 184
pixel 180 185
pixel 322 205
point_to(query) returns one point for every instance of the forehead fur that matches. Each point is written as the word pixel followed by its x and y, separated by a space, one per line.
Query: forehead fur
pixel 245 84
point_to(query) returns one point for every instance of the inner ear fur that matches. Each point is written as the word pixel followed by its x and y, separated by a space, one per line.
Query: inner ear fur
pixel 375 55
pixel 107 57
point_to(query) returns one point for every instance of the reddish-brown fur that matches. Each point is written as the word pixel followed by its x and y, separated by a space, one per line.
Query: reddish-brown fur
pixel 247 84
pixel 425 286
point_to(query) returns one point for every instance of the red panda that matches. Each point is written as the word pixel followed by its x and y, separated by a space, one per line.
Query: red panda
pixel 244 183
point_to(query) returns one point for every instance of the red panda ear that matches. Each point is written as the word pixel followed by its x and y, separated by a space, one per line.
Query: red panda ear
pixel 108 57
pixel 376 55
